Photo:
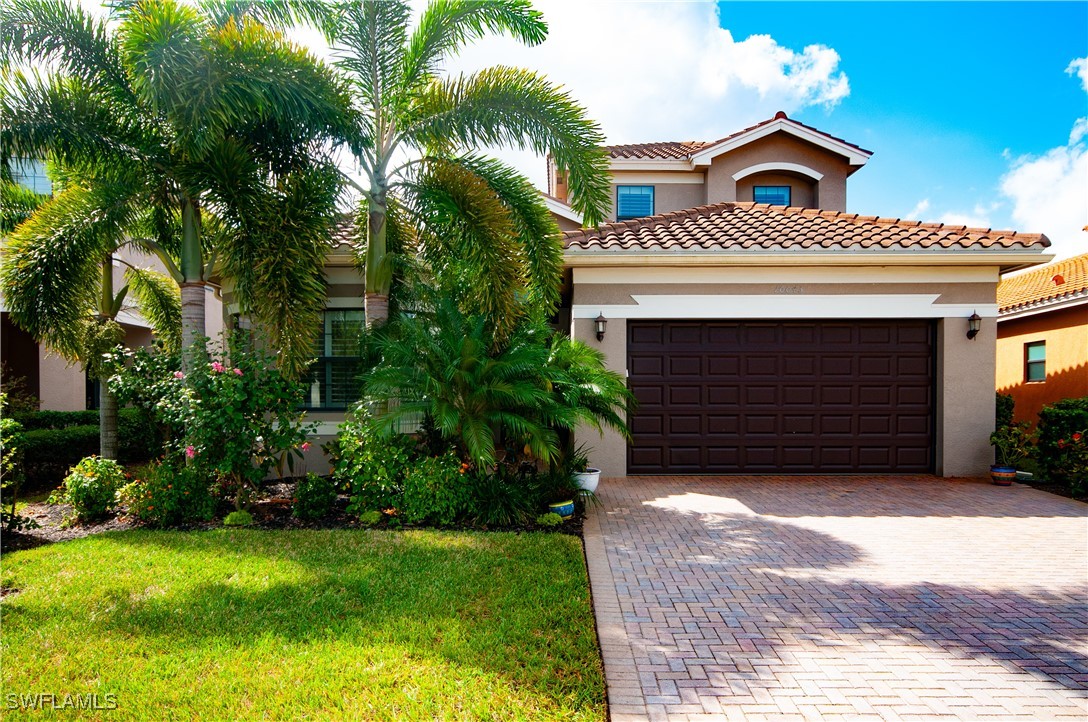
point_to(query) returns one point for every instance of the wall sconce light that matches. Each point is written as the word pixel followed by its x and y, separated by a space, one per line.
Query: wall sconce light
pixel 974 323
pixel 599 324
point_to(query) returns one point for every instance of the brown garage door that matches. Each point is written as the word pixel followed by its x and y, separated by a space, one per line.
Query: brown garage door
pixel 781 397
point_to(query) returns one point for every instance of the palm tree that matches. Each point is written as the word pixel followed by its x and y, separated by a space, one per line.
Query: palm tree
pixel 476 223
pixel 208 127
pixel 58 283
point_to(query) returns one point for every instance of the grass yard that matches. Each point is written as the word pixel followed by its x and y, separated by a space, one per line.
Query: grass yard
pixel 245 624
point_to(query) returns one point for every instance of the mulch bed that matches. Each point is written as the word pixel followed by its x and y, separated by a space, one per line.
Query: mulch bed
pixel 271 510
pixel 1061 489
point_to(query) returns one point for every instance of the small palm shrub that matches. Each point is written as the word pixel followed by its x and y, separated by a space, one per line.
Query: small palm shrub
pixel 315 497
pixel 504 498
pixel 91 488
pixel 436 491
pixel 163 496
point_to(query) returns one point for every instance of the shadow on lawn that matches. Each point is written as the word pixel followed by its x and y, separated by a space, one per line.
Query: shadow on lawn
pixel 766 597
pixel 475 601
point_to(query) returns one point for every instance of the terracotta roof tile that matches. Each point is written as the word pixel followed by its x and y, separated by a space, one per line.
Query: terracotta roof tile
pixel 686 149
pixel 1053 282
pixel 735 226
pixel 344 231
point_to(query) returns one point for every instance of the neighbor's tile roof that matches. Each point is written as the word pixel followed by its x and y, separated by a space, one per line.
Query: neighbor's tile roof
pixel 1053 282
pixel 686 149
pixel 344 231
pixel 758 226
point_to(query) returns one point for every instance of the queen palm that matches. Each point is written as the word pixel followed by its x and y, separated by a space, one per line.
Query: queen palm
pixel 206 126
pixel 58 281
pixel 479 226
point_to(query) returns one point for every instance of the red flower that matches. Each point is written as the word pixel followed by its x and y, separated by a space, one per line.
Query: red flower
pixel 1077 436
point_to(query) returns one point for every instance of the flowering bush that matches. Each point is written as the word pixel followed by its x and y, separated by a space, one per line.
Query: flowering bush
pixel 91 488
pixel 373 469
pixel 164 495
pixel 1072 461
pixel 233 418
pixel 1059 423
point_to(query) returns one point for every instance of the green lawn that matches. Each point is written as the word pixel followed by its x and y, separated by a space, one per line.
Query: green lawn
pixel 244 624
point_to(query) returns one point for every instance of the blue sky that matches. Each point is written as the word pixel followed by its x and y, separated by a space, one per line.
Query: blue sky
pixel 947 95
pixel 967 106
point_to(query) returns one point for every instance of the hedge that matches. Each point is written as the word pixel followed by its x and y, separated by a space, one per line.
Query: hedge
pixel 55 441
pixel 1058 422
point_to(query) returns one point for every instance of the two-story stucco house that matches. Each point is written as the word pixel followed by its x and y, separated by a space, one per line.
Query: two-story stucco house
pixel 764 329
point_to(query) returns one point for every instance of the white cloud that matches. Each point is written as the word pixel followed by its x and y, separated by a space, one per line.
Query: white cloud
pixel 665 71
pixel 1050 193
pixel 1079 67
pixel 921 207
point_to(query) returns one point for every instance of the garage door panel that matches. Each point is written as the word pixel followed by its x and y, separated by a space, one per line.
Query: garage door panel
pixel 791 397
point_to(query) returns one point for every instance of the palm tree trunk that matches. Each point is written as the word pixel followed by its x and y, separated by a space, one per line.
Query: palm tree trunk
pixel 192 287
pixel 107 419
pixel 378 278
pixel 107 402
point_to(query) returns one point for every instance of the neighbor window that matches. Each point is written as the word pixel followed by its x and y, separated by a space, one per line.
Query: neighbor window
pixel 30 174
pixel 774 195
pixel 333 379
pixel 1035 361
pixel 634 202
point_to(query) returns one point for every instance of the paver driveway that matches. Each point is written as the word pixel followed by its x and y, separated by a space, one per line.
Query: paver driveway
pixel 839 598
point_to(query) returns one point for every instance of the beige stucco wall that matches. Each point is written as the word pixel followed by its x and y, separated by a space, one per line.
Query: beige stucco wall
pixel 965 397
pixel 63 387
pixel 668 197
pixel 779 148
pixel 965 369
pixel 609 449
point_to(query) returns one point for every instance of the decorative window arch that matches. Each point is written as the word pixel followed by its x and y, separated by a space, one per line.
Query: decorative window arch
pixel 792 167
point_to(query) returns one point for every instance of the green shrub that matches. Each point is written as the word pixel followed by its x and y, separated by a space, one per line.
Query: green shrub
pixel 164 496
pixel 56 419
pixel 371 518
pixel 56 440
pixel 239 517
pixel 91 488
pixel 504 498
pixel 373 469
pixel 1006 404
pixel 436 491
pixel 1057 424
pixel 315 497
pixel 549 520
pixel 12 444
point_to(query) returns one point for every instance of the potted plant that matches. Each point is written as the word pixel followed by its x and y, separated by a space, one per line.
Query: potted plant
pixel 1012 444
pixel 585 476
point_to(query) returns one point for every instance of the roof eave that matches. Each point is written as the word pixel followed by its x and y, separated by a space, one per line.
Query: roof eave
pixel 1079 298
pixel 1006 260
pixel 857 157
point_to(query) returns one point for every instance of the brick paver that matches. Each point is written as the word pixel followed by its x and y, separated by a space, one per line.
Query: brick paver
pixel 861 598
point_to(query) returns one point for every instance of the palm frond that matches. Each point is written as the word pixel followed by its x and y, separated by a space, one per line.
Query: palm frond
pixel 371 36
pixel 159 302
pixel 16 204
pixel 502 106
pixel 448 25
pixel 51 272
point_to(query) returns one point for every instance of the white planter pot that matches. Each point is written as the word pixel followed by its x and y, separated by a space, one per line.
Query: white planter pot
pixel 588 479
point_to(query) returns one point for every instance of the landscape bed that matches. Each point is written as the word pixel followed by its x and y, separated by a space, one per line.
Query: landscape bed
pixel 257 624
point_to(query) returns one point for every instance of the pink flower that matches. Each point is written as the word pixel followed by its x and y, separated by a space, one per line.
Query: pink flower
pixel 190 451
pixel 218 367
pixel 305 445
pixel 179 375
pixel 237 372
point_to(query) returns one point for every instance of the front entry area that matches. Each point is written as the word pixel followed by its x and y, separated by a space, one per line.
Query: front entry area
pixel 785 397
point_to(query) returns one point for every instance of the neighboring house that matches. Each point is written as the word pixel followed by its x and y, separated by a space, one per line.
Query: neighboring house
pixel 1042 336
pixel 58 385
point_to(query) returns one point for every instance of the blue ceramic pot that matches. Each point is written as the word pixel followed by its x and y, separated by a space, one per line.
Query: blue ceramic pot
pixel 564 509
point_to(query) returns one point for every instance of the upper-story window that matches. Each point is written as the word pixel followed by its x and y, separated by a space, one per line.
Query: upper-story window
pixel 774 195
pixel 634 202
pixel 1035 361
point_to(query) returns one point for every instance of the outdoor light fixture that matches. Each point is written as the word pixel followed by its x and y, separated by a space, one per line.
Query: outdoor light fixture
pixel 599 323
pixel 974 323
